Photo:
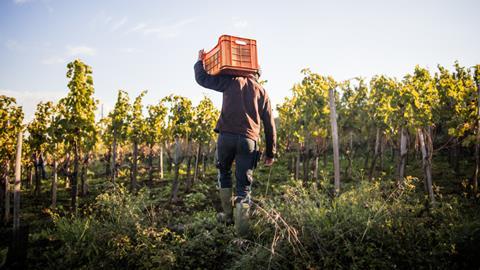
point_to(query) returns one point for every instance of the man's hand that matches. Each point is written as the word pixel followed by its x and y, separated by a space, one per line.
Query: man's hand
pixel 201 53
pixel 268 161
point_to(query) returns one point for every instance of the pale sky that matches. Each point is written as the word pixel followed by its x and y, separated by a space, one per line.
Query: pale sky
pixel 137 45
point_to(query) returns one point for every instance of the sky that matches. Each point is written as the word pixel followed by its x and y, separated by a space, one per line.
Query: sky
pixel 153 45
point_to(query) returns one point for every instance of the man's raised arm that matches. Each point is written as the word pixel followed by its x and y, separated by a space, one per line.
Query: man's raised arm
pixel 218 83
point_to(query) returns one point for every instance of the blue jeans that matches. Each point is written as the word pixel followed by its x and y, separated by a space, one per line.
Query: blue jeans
pixel 244 151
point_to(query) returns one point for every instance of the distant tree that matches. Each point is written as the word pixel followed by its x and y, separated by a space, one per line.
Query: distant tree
pixel 316 99
pixel 203 125
pixel 11 118
pixel 39 139
pixel 477 137
pixel 27 163
pixel 78 117
pixel 56 149
pixel 352 116
pixel 287 141
pixel 386 113
pixel 104 127
pixel 459 110
pixel 119 127
pixel 89 147
pixel 421 112
pixel 155 134
pixel 136 134
pixel 180 116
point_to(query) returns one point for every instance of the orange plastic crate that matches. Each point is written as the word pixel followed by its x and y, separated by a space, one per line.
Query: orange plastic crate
pixel 232 56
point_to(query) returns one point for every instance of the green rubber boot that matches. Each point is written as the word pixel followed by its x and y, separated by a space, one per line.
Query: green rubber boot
pixel 226 198
pixel 242 212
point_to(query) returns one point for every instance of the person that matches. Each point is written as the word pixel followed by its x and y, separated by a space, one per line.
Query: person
pixel 245 104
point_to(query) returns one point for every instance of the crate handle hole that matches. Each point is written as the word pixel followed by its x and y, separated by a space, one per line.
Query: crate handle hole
pixel 240 42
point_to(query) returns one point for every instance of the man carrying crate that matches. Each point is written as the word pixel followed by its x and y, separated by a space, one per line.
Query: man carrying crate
pixel 245 104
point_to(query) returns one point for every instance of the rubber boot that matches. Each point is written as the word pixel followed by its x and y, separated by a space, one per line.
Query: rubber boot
pixel 242 212
pixel 226 198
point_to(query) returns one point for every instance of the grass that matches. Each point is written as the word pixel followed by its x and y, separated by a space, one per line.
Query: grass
pixel 372 224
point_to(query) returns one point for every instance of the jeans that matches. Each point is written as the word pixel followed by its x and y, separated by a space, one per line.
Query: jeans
pixel 244 151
